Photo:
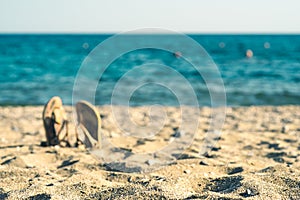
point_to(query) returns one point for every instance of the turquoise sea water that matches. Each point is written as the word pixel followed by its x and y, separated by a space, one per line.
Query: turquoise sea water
pixel 34 68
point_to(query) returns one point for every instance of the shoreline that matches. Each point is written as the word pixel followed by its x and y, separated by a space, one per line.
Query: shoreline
pixel 105 105
pixel 256 157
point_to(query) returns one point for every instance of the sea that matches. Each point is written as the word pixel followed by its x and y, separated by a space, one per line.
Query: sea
pixel 254 69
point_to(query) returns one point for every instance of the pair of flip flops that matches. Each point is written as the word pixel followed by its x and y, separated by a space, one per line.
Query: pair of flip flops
pixel 56 124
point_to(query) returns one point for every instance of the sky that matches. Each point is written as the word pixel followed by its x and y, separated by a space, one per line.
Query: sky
pixel 113 16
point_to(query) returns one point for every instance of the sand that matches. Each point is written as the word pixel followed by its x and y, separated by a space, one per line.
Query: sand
pixel 257 156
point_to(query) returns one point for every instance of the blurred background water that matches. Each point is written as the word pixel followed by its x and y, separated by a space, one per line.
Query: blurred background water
pixel 34 68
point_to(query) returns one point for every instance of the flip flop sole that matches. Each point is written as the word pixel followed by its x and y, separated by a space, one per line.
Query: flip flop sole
pixel 88 124
pixel 53 119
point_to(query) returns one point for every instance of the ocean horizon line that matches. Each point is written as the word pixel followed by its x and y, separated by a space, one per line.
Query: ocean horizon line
pixel 158 33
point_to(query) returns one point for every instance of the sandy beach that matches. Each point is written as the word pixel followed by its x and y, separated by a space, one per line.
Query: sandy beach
pixel 257 156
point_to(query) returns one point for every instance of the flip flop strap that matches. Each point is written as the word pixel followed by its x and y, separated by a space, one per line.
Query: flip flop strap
pixel 64 124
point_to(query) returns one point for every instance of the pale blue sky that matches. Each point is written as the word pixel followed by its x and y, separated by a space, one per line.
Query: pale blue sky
pixel 204 16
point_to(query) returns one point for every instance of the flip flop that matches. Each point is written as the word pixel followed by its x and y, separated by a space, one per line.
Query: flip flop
pixel 88 125
pixel 54 118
